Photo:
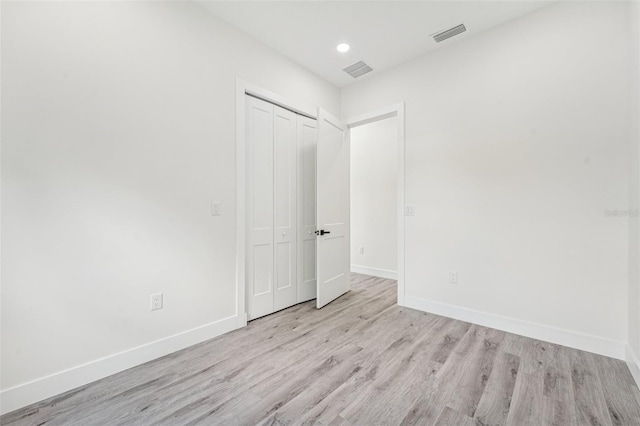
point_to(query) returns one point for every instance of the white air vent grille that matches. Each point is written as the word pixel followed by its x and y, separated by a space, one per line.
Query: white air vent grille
pixel 443 35
pixel 357 69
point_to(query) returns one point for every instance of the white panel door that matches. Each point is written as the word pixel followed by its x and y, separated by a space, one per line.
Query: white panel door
pixel 260 217
pixel 332 191
pixel 285 258
pixel 307 134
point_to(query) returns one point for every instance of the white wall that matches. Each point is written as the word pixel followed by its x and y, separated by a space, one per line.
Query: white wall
pixel 634 189
pixel 118 132
pixel 516 144
pixel 374 168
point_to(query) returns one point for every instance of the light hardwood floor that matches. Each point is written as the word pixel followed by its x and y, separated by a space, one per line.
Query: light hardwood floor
pixel 361 360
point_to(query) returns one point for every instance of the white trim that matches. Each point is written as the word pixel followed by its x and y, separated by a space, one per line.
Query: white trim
pixel 634 364
pixel 274 98
pixel 573 339
pixel 241 312
pixel 376 272
pixel 401 204
pixel 63 381
pixel 396 110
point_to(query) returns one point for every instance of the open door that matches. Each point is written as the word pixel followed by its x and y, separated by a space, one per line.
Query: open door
pixel 332 192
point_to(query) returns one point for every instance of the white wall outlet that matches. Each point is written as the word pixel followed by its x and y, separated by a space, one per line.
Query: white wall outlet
pixel 361 250
pixel 453 277
pixel 409 210
pixel 216 208
pixel 156 301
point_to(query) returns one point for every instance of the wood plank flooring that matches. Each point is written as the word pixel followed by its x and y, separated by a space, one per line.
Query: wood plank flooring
pixel 361 360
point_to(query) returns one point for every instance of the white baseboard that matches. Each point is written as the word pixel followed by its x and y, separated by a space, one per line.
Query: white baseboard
pixel 45 387
pixel 634 364
pixel 559 336
pixel 376 272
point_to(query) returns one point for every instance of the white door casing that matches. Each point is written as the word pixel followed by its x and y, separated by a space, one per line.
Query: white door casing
pixel 332 195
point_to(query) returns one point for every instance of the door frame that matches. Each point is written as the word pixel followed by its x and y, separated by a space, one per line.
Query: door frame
pixel 244 88
pixel 396 110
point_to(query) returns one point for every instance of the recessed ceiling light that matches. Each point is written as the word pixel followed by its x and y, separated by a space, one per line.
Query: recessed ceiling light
pixel 343 47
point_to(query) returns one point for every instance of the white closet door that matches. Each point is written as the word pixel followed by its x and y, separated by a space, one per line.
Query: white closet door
pixel 285 208
pixel 332 188
pixel 306 208
pixel 260 217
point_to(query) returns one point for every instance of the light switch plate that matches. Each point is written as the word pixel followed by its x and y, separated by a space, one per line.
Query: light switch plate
pixel 409 210
pixel 216 208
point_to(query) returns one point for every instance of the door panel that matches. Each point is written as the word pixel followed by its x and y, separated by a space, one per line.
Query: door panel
pixel 259 272
pixel 332 189
pixel 307 134
pixel 285 132
pixel 261 277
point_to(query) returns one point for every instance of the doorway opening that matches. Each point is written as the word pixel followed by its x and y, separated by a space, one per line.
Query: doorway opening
pixel 374 188
pixel 377 212
pixel 292 229
pixel 277 143
pixel 270 129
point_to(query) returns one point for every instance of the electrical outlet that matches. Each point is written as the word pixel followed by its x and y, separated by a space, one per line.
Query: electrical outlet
pixel 453 277
pixel 361 249
pixel 216 208
pixel 156 301
pixel 409 210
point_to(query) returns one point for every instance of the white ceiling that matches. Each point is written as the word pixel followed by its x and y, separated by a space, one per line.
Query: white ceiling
pixel 381 33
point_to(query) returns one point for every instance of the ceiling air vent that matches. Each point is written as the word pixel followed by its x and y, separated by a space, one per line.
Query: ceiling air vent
pixel 443 35
pixel 357 69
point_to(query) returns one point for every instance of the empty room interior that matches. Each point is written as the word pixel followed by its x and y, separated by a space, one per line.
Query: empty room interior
pixel 320 212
